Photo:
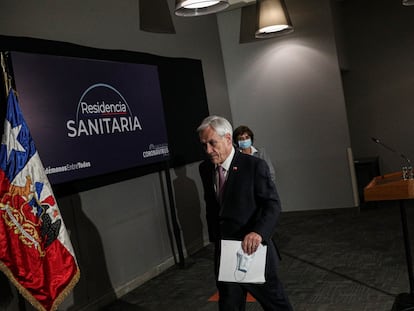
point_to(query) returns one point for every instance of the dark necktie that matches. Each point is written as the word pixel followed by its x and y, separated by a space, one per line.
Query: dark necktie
pixel 221 181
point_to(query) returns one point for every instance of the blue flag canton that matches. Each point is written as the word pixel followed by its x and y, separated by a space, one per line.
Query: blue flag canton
pixel 17 145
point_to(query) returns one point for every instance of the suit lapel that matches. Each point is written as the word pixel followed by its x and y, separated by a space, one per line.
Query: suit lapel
pixel 212 171
pixel 230 176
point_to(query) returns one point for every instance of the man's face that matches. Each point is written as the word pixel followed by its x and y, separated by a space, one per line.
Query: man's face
pixel 218 148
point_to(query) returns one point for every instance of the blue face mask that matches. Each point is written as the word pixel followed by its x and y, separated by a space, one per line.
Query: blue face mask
pixel 244 144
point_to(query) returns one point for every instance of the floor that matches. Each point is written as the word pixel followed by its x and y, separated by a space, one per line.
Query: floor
pixel 340 260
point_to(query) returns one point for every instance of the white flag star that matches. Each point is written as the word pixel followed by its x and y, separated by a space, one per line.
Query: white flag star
pixel 10 138
pixel 34 210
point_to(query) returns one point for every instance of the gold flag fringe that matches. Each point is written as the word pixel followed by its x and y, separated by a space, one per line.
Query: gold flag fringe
pixel 32 300
pixel 66 291
pixel 22 290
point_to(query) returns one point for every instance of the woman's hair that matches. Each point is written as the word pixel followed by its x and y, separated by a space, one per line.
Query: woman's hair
pixel 219 124
pixel 242 129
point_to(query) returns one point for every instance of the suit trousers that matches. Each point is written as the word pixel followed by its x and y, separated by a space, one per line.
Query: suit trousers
pixel 269 295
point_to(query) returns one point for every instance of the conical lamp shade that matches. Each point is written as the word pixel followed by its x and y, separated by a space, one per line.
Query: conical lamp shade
pixel 199 7
pixel 272 19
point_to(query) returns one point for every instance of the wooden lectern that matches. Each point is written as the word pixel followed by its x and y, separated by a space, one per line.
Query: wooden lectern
pixel 389 187
pixel 393 187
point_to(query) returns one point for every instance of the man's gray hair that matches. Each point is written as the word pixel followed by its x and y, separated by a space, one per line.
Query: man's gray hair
pixel 219 124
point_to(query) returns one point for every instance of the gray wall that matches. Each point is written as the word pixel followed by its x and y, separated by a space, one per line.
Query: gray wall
pixel 120 231
pixel 378 77
pixel 287 89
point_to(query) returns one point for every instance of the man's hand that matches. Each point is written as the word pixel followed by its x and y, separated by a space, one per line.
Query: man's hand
pixel 251 242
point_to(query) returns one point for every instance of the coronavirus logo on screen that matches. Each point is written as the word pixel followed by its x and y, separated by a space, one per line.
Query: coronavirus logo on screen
pixel 102 110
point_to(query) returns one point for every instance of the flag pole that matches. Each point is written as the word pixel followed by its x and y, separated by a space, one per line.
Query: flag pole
pixel 6 76
pixel 7 86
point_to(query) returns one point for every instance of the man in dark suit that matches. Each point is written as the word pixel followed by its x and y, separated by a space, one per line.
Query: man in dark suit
pixel 247 210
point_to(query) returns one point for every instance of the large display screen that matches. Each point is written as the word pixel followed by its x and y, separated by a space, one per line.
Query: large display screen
pixel 90 117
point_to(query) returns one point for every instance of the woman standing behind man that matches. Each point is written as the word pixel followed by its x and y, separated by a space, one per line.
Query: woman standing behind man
pixel 243 137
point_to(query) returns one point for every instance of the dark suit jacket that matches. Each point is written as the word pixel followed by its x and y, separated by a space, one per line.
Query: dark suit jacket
pixel 250 200
pixel 250 204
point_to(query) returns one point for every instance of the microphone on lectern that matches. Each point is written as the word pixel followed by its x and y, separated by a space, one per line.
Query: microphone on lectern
pixel 377 141
pixel 407 171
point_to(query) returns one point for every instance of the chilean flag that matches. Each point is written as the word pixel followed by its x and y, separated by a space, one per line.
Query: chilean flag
pixel 35 250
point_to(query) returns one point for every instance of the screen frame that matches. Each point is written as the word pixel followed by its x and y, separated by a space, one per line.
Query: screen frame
pixel 184 110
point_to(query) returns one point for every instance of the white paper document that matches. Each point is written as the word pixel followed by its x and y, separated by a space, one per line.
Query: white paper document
pixel 237 266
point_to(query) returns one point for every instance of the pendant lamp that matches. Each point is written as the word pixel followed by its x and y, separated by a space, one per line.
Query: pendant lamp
pixel 272 19
pixel 199 7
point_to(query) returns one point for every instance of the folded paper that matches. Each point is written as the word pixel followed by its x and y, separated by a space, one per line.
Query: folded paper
pixel 237 266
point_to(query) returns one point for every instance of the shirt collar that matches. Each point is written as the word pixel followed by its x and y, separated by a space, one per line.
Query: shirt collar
pixel 254 150
pixel 227 162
